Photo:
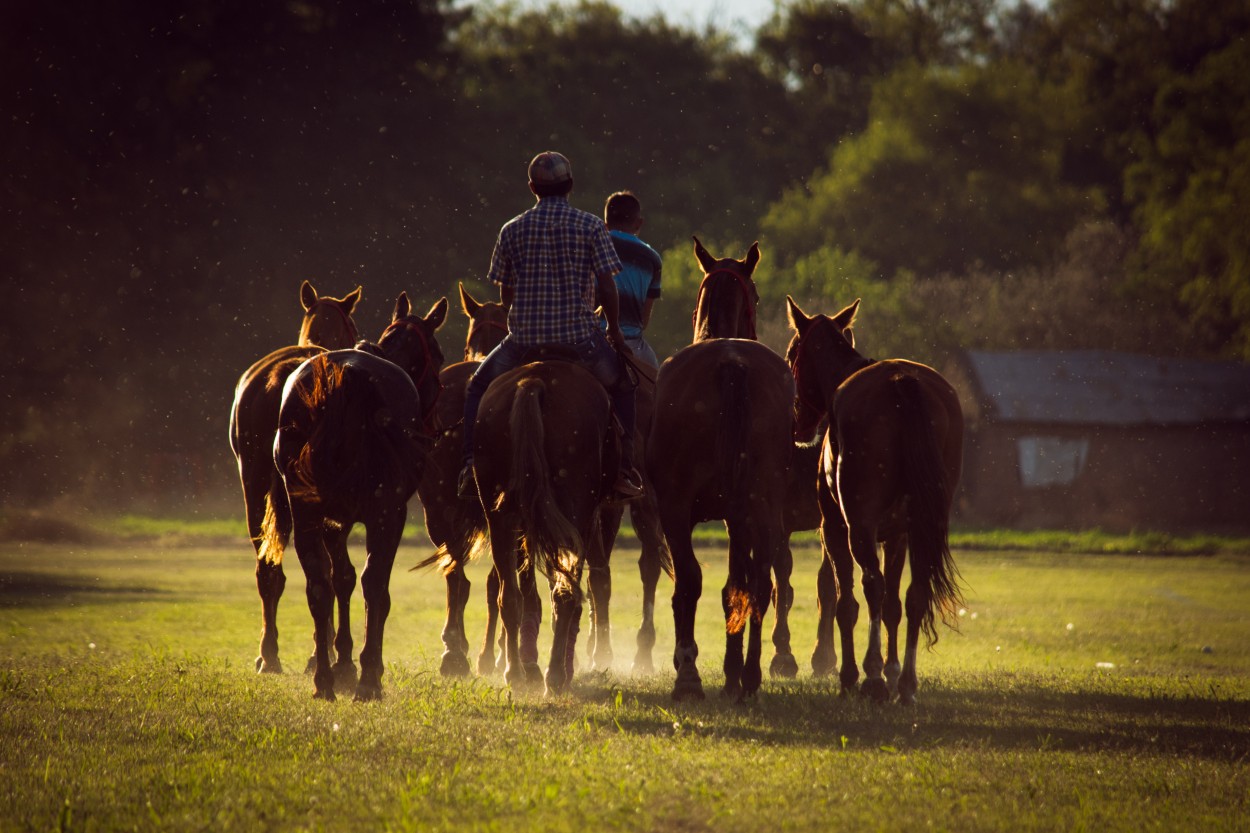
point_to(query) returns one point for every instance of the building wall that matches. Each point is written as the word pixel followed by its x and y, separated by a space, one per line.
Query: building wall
pixel 1172 479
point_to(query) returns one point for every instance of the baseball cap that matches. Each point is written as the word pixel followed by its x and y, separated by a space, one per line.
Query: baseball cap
pixel 550 168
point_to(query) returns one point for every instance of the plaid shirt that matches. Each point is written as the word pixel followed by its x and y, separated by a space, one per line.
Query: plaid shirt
pixel 550 256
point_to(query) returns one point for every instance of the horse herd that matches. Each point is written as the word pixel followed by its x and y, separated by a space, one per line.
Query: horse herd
pixel 336 431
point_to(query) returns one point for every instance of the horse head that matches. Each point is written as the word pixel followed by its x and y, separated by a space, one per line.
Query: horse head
pixel 328 321
pixel 409 342
pixel 821 355
pixel 725 307
pixel 488 324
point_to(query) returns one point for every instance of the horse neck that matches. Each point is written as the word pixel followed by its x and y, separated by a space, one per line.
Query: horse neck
pixel 846 361
pixel 722 313
pixel 335 329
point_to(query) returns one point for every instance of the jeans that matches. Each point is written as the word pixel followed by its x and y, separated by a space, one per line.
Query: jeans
pixel 642 350
pixel 594 353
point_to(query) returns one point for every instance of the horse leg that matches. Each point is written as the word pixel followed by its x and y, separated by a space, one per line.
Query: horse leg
pixel 530 625
pixel 895 549
pixel 344 574
pixel 863 544
pixel 599 578
pixel 566 610
pixel 270 578
pixel 736 603
pixel 770 546
pixel 314 558
pixel 824 655
pixel 381 541
pixel 503 552
pixel 783 664
pixel 645 516
pixel 455 662
pixel 918 602
pixel 486 664
pixel 687 588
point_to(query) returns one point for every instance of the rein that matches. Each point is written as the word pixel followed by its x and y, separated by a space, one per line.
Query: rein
pixel 430 415
pixel 746 294
pixel 347 319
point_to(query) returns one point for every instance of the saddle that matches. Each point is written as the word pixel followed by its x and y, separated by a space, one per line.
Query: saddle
pixel 553 351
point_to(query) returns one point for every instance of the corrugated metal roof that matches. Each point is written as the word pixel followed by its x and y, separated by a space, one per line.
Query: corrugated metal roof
pixel 1104 387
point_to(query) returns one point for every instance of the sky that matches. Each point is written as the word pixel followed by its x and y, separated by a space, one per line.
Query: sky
pixel 738 17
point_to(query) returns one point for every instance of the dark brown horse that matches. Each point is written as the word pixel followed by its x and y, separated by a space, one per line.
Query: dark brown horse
pixel 354 430
pixel 546 452
pixel 327 325
pixel 890 464
pixel 720 448
pixel 726 308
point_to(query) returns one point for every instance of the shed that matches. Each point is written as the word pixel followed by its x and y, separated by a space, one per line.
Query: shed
pixel 1099 439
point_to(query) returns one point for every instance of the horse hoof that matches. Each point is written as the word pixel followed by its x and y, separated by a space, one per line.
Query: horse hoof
pixel 533 674
pixel 642 666
pixel 688 691
pixel 311 666
pixel 732 691
pixel 907 698
pixel 875 690
pixel 783 666
pixel 326 694
pixel 824 663
pixel 486 666
pixel 263 667
pixel 345 674
pixel 454 664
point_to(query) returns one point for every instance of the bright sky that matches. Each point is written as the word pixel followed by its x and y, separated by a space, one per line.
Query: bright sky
pixel 738 17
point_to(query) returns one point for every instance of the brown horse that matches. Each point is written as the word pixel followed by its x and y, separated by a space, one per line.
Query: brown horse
pixel 720 448
pixel 353 433
pixel 546 452
pixel 890 464
pixel 453 524
pixel 327 325
pixel 726 308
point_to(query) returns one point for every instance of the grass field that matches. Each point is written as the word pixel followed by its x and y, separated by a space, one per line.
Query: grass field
pixel 1083 692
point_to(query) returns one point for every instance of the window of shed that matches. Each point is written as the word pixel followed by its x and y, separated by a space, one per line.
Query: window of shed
pixel 1051 461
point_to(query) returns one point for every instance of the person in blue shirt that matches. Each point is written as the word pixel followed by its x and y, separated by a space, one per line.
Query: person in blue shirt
pixel 638 283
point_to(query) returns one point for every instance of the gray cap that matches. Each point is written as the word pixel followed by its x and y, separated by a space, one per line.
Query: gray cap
pixel 550 168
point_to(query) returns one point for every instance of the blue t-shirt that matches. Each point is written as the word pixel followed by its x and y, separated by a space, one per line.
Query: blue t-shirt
pixel 638 281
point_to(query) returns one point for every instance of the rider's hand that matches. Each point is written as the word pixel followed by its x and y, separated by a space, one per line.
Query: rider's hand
pixel 617 338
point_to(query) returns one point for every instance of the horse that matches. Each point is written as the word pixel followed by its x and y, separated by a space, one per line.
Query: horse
pixel 354 429
pixel 327 325
pixel 546 453
pixel 726 308
pixel 890 463
pixel 720 448
pixel 451 523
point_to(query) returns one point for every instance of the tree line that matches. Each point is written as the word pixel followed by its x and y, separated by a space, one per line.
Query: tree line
pixel 987 174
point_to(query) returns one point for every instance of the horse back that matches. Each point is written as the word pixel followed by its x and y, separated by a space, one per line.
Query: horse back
pixel 258 395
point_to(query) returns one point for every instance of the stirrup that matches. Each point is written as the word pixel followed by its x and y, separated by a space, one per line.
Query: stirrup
pixel 466 484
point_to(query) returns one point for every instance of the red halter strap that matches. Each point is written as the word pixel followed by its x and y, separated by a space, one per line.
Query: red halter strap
pixel 746 294
pixel 429 414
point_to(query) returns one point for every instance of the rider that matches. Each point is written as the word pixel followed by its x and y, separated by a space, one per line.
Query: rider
pixel 638 283
pixel 552 263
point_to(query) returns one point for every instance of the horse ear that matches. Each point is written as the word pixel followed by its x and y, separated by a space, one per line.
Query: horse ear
pixel 846 318
pixel 402 307
pixel 352 299
pixel 468 303
pixel 438 313
pixel 705 260
pixel 307 295
pixel 798 319
pixel 753 256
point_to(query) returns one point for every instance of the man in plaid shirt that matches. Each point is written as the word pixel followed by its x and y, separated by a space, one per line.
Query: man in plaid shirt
pixel 551 263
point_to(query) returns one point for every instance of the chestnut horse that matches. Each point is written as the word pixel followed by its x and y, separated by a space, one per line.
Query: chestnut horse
pixel 327 325
pixel 353 433
pixel 546 453
pixel 890 464
pixel 720 448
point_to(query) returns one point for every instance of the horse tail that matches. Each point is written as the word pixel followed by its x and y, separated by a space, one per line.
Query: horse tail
pixel 549 535
pixel 928 515
pixel 734 463
pixel 275 527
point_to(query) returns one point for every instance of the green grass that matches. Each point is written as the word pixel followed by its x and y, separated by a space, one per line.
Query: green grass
pixel 1082 692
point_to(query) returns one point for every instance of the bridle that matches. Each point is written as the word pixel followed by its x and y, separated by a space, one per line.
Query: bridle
pixel 429 415
pixel 338 307
pixel 817 407
pixel 743 284
pixel 489 325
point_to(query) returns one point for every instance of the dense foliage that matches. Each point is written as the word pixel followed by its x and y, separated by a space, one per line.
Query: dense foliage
pixel 984 174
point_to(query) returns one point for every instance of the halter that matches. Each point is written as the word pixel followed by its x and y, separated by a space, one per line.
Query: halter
pixel 488 324
pixel 429 415
pixel 746 293
pixel 347 319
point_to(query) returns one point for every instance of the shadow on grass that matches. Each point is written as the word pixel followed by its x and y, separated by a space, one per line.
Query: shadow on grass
pixel 996 712
pixel 47 590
